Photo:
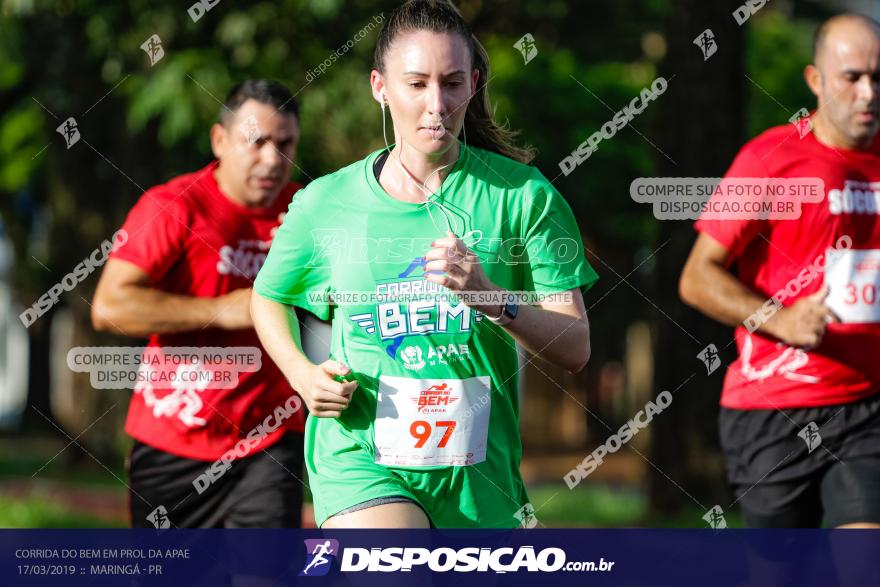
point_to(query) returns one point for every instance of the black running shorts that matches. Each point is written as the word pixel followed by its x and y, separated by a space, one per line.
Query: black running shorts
pixel 800 467
pixel 263 490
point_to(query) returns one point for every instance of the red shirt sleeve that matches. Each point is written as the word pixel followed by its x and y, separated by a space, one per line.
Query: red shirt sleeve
pixel 735 235
pixel 157 228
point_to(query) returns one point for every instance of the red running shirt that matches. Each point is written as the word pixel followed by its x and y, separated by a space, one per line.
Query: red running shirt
pixel 192 240
pixel 772 255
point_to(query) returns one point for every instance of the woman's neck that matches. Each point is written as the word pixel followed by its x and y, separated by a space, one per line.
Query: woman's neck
pixel 428 170
pixel 413 175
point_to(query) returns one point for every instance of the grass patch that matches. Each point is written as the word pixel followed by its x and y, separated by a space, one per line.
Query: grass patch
pixel 600 506
pixel 586 506
pixel 36 512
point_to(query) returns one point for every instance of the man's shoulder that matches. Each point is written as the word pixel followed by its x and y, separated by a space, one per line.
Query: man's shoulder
pixel 182 195
pixel 779 145
pixel 181 189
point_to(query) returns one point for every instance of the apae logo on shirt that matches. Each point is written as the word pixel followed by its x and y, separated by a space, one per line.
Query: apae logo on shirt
pixel 415 359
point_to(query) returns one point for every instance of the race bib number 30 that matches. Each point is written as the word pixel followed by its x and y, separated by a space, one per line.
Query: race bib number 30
pixel 853 279
pixel 431 422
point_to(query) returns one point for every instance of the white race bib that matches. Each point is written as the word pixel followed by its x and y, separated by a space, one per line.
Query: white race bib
pixel 431 422
pixel 853 278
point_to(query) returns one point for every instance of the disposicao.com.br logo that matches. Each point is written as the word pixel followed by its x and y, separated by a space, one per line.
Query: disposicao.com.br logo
pixel 441 560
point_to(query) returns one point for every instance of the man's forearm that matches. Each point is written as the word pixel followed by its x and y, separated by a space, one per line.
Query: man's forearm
pixel 712 290
pixel 142 311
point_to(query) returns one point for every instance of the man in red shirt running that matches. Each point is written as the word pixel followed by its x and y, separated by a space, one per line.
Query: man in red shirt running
pixel 208 455
pixel 800 416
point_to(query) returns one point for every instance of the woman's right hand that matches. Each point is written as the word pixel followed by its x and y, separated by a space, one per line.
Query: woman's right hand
pixel 325 396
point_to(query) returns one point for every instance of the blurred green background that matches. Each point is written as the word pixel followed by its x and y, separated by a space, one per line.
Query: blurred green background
pixel 61 461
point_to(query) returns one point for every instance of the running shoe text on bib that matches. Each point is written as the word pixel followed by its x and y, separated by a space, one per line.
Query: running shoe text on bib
pixel 432 422
pixel 853 279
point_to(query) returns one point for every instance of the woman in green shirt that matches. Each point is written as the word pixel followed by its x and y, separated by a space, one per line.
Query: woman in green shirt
pixel 414 252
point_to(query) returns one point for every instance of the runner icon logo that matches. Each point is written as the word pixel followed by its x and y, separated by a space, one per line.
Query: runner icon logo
pixel 526 516
pixel 250 129
pixel 706 42
pixel 715 518
pixel 801 121
pixel 319 552
pixel 811 436
pixel 68 129
pixel 710 358
pixel 526 46
pixel 159 518
pixel 153 48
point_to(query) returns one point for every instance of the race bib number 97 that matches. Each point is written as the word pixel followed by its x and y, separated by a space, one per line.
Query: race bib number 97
pixel 432 422
pixel 853 279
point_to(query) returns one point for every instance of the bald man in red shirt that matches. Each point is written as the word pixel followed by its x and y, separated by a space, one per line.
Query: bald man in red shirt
pixel 800 415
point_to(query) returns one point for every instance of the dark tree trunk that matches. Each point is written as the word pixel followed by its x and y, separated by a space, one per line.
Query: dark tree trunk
pixel 701 124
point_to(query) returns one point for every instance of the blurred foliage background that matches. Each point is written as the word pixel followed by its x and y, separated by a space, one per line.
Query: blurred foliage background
pixel 142 124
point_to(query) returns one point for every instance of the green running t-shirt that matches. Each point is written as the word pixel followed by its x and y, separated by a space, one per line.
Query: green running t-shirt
pixel 437 381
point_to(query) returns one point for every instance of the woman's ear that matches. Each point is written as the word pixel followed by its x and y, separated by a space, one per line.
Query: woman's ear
pixel 378 86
